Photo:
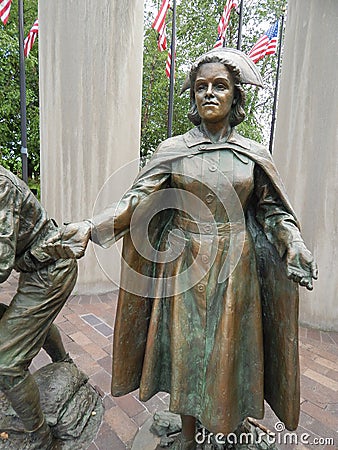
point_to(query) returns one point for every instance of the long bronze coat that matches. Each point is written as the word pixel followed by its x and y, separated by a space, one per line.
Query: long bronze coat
pixel 218 344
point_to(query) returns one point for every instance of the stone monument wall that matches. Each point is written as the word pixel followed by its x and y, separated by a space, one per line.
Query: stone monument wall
pixel 90 94
pixel 307 141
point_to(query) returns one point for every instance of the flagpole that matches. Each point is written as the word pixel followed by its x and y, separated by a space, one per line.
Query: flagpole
pixel 274 108
pixel 240 25
pixel 24 153
pixel 172 72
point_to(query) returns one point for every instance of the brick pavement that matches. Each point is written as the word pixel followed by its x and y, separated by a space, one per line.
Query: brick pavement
pixel 86 324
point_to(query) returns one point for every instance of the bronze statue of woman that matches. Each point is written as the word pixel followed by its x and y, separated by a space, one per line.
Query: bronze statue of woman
pixel 213 321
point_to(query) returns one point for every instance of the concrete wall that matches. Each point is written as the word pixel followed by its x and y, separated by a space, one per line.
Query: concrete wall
pixel 90 87
pixel 306 144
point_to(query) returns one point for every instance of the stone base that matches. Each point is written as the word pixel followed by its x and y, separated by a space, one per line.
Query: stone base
pixel 165 423
pixel 73 410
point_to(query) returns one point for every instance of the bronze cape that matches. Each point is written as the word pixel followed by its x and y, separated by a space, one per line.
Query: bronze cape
pixel 278 309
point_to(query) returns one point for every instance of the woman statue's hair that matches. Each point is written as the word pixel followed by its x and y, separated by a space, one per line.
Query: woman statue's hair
pixel 237 113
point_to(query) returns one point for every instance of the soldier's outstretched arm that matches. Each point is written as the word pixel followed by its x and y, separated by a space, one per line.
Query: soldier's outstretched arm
pixel 70 241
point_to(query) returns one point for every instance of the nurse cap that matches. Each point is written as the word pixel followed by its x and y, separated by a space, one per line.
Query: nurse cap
pixel 248 72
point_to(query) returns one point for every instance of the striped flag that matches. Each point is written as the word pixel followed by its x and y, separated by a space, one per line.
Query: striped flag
pixel 219 42
pixel 30 39
pixel 168 64
pixel 159 25
pixel 5 7
pixel 266 44
pixel 162 40
pixel 161 15
pixel 224 22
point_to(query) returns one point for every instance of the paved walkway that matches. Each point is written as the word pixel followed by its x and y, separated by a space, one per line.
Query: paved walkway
pixel 86 324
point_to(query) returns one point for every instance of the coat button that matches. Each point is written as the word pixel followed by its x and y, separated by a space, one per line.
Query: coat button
pixel 201 287
pixel 209 198
pixel 203 147
pixel 212 168
pixel 207 228
pixel 205 259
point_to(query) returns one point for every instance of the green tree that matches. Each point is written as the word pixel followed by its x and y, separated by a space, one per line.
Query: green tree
pixel 196 33
pixel 10 135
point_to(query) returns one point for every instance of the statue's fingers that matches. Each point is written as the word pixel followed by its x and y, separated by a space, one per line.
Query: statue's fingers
pixel 307 282
pixel 295 274
pixel 75 252
pixel 289 272
pixel 291 275
pixel 303 281
pixel 58 251
pixel 80 254
pixel 54 239
pixel 81 251
pixel 68 253
pixel 314 270
pixel 51 249
pixel 295 277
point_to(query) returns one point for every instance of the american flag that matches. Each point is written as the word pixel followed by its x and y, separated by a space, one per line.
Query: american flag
pixel 161 15
pixel 266 44
pixel 5 7
pixel 219 42
pixel 159 25
pixel 224 22
pixel 162 40
pixel 30 39
pixel 168 64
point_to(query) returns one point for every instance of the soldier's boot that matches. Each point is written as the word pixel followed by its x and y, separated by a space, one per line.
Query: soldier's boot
pixel 25 400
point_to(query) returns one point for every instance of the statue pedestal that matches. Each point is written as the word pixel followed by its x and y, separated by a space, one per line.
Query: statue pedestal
pixel 73 410
pixel 250 435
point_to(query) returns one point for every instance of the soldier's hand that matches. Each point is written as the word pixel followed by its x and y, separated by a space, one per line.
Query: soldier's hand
pixel 70 241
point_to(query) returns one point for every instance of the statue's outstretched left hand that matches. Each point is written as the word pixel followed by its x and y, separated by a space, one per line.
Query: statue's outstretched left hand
pixel 300 265
pixel 69 242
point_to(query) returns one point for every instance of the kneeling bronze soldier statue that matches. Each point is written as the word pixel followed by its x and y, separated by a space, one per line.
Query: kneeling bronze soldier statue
pixel 26 325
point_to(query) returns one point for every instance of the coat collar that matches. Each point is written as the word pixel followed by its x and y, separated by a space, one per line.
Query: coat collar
pixel 195 142
pixel 195 137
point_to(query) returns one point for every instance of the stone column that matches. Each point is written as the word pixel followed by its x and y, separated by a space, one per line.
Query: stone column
pixel 307 141
pixel 90 94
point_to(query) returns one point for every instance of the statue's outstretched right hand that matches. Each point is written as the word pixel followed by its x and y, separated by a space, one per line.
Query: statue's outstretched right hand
pixel 300 265
pixel 69 242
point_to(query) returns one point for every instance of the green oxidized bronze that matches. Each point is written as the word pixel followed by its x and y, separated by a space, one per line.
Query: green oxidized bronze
pixel 214 321
pixel 26 325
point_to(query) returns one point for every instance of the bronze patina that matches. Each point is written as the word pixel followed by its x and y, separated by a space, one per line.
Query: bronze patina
pixel 26 325
pixel 214 322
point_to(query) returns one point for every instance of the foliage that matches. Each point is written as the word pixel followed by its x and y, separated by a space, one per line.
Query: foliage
pixel 10 134
pixel 196 33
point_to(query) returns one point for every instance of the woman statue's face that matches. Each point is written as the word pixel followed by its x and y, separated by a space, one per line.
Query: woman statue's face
pixel 214 92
